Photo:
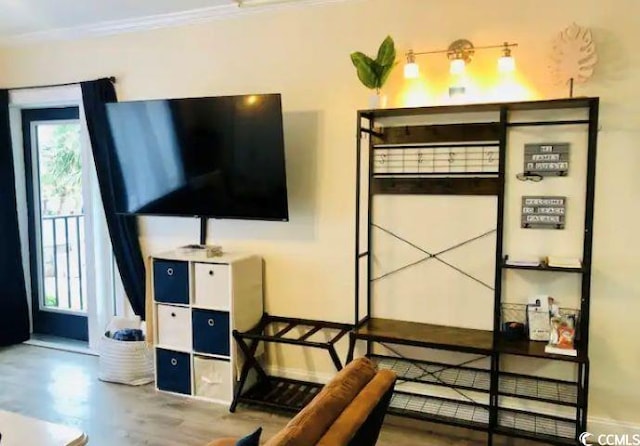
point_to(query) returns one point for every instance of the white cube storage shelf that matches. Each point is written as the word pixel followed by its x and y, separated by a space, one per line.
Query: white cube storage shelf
pixel 198 302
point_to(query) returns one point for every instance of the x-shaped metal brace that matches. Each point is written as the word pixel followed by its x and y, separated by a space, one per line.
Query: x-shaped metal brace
pixel 434 256
pixel 249 351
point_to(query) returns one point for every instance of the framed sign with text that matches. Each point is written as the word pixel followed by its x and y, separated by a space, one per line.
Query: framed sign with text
pixel 546 159
pixel 543 212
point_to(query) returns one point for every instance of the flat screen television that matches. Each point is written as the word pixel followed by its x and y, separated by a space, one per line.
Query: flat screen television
pixel 218 157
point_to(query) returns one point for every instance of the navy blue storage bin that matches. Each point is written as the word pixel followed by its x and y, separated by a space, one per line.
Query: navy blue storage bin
pixel 211 332
pixel 174 371
pixel 171 281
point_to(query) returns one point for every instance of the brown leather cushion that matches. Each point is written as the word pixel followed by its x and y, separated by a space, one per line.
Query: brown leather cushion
pixel 312 422
pixel 345 427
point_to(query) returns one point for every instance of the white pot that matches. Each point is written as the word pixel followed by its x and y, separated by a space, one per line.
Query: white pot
pixel 378 100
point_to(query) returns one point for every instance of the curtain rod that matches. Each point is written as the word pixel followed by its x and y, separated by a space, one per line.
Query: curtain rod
pixel 111 78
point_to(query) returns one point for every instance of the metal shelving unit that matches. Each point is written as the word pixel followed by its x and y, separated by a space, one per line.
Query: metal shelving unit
pixel 542 268
pixel 273 391
pixel 467 158
pixel 534 426
pixel 547 390
pixel 436 373
pixel 281 393
pixel 448 411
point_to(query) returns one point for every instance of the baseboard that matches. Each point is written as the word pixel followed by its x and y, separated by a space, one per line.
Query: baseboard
pixel 601 425
pixel 61 346
pixel 596 425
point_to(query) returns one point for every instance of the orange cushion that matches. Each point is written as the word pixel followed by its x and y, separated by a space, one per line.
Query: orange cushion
pixel 345 427
pixel 312 422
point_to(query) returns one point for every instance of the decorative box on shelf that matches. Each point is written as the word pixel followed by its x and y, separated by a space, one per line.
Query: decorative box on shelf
pixel 198 301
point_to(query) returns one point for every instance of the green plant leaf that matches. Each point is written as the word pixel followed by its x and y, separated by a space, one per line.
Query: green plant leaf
pixel 384 74
pixel 386 53
pixel 366 69
pixel 380 71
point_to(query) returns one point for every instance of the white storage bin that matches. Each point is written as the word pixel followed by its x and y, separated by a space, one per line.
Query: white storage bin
pixel 212 378
pixel 212 286
pixel 174 328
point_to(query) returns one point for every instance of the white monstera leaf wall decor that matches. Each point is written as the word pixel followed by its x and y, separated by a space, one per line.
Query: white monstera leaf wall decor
pixel 574 55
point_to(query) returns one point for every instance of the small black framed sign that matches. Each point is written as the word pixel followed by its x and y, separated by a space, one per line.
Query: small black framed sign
pixel 543 212
pixel 547 159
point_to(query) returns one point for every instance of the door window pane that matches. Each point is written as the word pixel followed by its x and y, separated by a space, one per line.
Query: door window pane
pixel 61 215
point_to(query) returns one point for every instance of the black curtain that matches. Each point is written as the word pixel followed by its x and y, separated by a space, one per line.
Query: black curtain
pixel 122 229
pixel 14 310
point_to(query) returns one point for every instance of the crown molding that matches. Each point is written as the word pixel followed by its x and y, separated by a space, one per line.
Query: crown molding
pixel 158 21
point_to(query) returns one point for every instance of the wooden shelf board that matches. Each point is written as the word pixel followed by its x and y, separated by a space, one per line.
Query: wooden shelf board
pixel 472 132
pixel 544 268
pixel 534 349
pixel 436 186
pixel 552 104
pixel 426 335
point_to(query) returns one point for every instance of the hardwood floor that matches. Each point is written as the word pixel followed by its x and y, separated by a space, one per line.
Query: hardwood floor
pixel 62 387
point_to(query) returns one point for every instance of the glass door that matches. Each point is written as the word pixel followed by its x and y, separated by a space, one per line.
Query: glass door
pixel 53 161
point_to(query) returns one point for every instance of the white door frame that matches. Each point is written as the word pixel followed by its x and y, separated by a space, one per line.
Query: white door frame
pixel 100 284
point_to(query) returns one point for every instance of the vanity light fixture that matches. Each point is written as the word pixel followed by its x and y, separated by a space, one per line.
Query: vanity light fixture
pixel 460 53
pixel 506 63
pixel 411 69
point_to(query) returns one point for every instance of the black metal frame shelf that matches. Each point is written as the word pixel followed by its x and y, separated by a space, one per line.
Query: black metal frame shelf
pixel 546 390
pixel 400 151
pixel 549 123
pixel 534 349
pixel 552 104
pixel 443 410
pixel 259 333
pixel 451 145
pixel 281 393
pixel 436 373
pixel 556 269
pixel 263 391
pixel 541 267
pixel 464 340
pixel 425 175
pixel 475 379
pixel 535 426
pixel 463 185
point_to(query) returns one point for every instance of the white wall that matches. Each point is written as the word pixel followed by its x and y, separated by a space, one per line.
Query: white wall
pixel 303 53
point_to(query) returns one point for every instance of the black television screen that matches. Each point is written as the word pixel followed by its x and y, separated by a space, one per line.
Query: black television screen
pixel 220 157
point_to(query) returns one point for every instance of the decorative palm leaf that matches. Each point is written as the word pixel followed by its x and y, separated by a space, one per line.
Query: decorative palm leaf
pixel 574 55
pixel 366 69
pixel 386 53
pixel 374 73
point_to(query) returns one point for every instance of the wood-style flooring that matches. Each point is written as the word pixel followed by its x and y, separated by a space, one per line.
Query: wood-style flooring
pixel 63 387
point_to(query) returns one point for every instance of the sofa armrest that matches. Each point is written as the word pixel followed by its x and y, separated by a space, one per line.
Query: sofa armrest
pixel 223 442
pixel 355 416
